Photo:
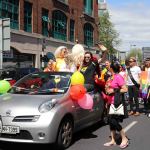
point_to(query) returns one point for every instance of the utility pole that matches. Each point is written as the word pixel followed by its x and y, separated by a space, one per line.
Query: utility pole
pixel 43 48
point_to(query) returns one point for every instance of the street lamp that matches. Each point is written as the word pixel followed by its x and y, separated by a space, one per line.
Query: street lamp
pixel 43 47
pixel 132 45
pixel 136 56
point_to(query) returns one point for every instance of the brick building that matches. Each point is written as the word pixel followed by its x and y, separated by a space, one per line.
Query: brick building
pixel 50 23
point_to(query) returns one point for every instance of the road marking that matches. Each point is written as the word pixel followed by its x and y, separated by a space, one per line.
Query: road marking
pixel 130 126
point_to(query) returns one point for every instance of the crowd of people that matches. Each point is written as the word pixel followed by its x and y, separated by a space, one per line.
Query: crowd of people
pixel 107 79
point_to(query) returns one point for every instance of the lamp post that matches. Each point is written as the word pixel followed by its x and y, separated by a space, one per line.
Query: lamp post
pixel 136 56
pixel 43 47
pixel 132 45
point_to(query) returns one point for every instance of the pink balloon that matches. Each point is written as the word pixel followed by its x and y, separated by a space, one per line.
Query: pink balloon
pixel 86 102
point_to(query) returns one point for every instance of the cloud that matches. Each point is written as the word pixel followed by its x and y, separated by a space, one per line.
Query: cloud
pixel 131 20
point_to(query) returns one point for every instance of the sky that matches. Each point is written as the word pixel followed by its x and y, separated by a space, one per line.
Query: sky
pixel 131 19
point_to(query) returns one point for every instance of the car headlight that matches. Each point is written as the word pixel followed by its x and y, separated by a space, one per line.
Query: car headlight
pixel 47 106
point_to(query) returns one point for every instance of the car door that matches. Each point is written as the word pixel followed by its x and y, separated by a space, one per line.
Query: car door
pixel 98 106
pixel 83 116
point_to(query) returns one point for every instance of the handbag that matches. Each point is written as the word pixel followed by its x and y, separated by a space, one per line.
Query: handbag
pixel 131 77
pixel 116 111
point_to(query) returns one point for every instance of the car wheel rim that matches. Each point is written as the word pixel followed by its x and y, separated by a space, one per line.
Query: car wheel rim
pixel 66 134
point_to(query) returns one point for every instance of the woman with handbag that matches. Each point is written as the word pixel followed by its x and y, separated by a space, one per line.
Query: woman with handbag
pixel 114 89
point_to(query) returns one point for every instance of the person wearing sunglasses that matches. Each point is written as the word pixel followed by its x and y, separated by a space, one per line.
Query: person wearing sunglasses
pixel 133 83
pixel 90 68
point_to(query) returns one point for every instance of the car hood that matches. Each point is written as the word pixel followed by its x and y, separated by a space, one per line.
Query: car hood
pixel 20 104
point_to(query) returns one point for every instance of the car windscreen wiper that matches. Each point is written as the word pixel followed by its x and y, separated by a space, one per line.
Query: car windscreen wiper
pixel 19 90
pixel 46 91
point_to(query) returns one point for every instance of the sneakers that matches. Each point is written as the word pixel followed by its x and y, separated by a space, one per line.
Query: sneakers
pixel 130 113
pixel 148 115
pixel 137 114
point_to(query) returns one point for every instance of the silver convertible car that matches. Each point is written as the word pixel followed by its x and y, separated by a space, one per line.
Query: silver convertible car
pixel 38 109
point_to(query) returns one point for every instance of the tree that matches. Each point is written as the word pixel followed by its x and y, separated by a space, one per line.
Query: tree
pixel 137 53
pixel 107 34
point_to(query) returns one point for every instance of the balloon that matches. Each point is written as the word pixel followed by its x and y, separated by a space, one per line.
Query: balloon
pixel 77 92
pixel 77 49
pixel 77 78
pixel 4 86
pixel 86 102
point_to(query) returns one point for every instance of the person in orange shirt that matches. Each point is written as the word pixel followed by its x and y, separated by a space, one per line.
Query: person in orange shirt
pixel 50 66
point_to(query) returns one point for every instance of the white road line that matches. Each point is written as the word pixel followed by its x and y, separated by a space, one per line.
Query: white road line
pixel 129 126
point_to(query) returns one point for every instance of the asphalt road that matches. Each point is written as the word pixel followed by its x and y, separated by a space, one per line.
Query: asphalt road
pixel 93 138
pixel 137 130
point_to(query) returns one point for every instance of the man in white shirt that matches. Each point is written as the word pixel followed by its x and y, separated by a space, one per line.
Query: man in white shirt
pixel 133 86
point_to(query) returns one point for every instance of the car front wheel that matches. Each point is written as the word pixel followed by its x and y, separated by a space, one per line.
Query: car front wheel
pixel 65 134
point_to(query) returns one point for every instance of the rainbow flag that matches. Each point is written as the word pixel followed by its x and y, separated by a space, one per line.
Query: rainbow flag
pixel 144 77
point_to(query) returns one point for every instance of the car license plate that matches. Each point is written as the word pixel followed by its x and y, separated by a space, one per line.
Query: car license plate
pixel 10 129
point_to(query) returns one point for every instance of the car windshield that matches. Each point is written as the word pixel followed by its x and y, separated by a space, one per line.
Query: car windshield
pixel 43 83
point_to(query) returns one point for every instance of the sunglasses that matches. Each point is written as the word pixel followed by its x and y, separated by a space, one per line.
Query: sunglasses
pixel 87 57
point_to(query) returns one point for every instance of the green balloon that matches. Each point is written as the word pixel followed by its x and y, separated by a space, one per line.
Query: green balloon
pixel 4 86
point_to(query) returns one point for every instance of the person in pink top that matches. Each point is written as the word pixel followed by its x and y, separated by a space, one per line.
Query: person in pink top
pixel 116 84
pixel 115 81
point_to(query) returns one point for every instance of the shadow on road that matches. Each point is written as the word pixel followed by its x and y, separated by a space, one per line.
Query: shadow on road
pixel 19 146
pixel 87 133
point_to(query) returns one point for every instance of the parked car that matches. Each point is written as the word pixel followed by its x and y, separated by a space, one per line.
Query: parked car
pixel 14 74
pixel 38 111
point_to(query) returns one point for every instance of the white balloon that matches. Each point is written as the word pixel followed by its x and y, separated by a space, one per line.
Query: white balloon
pixel 78 49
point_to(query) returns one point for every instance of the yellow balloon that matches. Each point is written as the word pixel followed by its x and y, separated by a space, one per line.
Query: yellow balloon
pixel 77 78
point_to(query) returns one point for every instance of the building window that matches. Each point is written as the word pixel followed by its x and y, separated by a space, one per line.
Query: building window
pixel 88 34
pixel 59 25
pixel 72 30
pixel 10 9
pixel 45 22
pixel 28 17
pixel 88 7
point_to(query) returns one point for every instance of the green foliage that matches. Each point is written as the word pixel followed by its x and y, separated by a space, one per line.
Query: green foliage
pixel 107 34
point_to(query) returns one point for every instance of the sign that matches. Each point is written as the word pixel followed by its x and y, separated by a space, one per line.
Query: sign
pixel 5 34
pixel 146 52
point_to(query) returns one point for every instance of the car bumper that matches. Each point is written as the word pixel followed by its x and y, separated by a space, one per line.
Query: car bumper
pixel 44 130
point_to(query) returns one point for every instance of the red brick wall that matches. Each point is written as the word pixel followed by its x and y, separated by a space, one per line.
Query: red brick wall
pixel 74 11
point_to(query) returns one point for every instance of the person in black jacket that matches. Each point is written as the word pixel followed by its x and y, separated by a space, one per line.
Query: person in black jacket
pixel 89 69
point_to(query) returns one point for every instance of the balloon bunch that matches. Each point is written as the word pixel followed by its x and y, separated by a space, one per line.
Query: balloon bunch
pixel 78 91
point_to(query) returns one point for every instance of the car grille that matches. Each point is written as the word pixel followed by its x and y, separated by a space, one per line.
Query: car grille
pixel 22 135
pixel 26 118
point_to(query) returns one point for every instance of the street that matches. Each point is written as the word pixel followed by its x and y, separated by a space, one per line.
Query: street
pixel 93 138
pixel 137 130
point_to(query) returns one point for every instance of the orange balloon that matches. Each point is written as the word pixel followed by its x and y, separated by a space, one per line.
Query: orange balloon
pixel 77 92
